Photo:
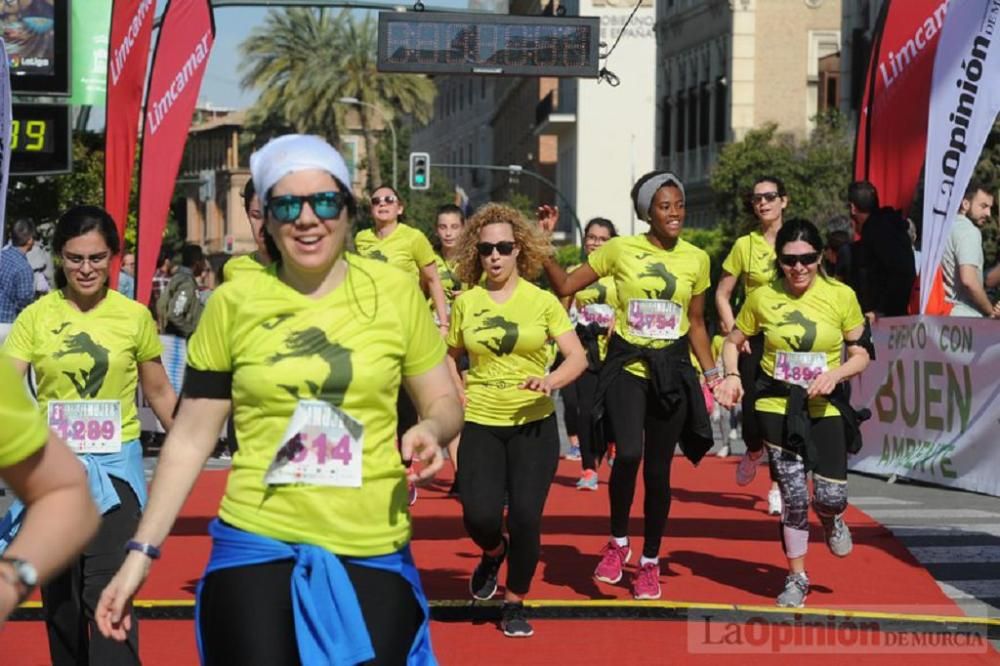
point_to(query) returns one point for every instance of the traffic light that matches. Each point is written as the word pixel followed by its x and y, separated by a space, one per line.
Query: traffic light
pixel 420 171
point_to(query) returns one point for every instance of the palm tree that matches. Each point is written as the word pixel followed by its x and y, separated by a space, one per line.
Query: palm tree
pixel 305 60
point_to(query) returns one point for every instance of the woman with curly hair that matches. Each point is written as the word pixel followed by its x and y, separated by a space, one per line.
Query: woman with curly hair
pixel 510 442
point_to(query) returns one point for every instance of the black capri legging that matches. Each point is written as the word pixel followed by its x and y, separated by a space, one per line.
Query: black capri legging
pixel 247 620
pixel 521 462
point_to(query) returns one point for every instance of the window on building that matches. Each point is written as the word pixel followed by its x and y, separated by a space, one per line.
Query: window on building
pixel 721 105
pixel 679 122
pixel 470 92
pixel 692 128
pixel 482 87
pixel 668 112
pixel 704 119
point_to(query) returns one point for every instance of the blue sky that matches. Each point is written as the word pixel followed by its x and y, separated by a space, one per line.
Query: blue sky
pixel 233 25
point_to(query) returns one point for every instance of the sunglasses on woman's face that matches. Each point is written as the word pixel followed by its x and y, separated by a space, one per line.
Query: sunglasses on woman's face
pixel 387 199
pixel 764 196
pixel 326 205
pixel 505 248
pixel 807 259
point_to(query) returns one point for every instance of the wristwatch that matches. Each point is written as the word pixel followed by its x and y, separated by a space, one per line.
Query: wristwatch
pixel 25 576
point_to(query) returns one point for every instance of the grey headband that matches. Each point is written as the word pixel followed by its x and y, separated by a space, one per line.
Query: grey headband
pixel 642 197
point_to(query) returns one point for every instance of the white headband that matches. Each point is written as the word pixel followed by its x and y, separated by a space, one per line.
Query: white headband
pixel 642 197
pixel 294 152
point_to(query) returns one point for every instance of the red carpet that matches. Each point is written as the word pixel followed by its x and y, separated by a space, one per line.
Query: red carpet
pixel 720 547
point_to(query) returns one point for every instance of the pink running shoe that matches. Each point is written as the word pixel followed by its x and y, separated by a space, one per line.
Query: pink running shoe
pixel 646 582
pixel 613 558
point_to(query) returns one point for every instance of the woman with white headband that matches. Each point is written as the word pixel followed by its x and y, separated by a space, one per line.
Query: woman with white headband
pixel 310 554
pixel 648 387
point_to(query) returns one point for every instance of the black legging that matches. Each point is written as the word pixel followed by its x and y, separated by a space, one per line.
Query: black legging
pixel 247 620
pixel 586 388
pixel 70 599
pixel 645 432
pixel 749 367
pixel 406 414
pixel 521 462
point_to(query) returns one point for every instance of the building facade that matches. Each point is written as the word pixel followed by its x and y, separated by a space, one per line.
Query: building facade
pixel 725 67
pixel 215 169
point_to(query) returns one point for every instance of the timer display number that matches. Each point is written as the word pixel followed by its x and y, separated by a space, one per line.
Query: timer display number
pixel 488 44
pixel 40 140
pixel 30 136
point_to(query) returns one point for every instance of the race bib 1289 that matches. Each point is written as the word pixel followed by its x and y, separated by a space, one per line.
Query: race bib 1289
pixel 87 426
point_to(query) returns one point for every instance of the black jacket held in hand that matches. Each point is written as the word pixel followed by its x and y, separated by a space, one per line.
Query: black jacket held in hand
pixel 882 267
pixel 675 383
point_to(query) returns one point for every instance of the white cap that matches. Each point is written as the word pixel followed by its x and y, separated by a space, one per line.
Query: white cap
pixel 294 152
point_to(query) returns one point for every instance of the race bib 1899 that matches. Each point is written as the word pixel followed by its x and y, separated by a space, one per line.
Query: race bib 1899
pixel 88 426
pixel 654 319
pixel 799 368
pixel 322 446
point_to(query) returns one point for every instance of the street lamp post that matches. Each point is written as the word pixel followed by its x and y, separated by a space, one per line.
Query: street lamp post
pixel 392 130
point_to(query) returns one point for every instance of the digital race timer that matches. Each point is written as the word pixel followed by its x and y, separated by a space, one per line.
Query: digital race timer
pixel 442 43
pixel 40 140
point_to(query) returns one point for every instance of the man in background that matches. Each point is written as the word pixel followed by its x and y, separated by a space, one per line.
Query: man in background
pixel 962 262
pixel 17 278
pixel 882 266
pixel 126 279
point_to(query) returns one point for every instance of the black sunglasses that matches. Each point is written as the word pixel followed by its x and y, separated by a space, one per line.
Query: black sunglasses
pixel 505 248
pixel 764 196
pixel 807 259
pixel 389 199
pixel 326 205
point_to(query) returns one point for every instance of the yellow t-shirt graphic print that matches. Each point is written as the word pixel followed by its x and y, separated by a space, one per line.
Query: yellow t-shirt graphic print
pixel 86 355
pixel 752 261
pixel 643 272
pixel 405 248
pixel 348 349
pixel 506 343
pixel 814 322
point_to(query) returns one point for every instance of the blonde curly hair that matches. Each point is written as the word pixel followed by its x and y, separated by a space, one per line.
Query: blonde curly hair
pixel 533 245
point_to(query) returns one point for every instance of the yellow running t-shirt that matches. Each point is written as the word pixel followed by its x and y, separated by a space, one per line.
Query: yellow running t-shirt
pixel 405 248
pixel 813 322
pixel 649 276
pixel 751 261
pixel 246 264
pixel 449 282
pixel 351 349
pixel 22 430
pixel 596 305
pixel 506 345
pixel 86 355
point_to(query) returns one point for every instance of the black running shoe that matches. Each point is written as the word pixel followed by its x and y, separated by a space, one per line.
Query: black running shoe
pixel 483 584
pixel 513 621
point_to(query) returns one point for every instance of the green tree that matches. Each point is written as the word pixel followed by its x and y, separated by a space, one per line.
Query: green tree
pixel 43 199
pixel 305 60
pixel 816 173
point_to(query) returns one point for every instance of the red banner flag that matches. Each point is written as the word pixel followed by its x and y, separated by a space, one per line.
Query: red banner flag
pixel 892 128
pixel 186 37
pixel 128 55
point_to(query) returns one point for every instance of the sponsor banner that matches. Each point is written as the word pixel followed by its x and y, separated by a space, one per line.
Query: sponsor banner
pixel 186 37
pixel 127 57
pixel 933 391
pixel 965 100
pixel 6 120
pixel 90 52
pixel 892 130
